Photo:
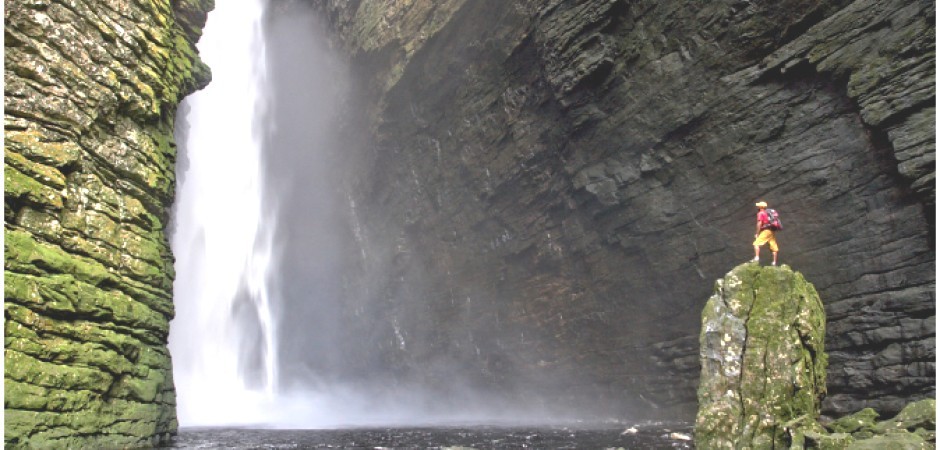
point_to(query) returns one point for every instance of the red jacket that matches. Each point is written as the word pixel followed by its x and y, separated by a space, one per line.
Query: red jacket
pixel 764 219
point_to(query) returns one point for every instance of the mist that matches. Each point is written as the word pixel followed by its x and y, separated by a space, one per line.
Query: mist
pixel 285 315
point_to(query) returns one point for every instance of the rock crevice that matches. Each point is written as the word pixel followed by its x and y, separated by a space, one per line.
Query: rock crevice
pixel 762 356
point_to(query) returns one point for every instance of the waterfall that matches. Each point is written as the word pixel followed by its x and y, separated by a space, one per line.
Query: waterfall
pixel 271 327
pixel 223 339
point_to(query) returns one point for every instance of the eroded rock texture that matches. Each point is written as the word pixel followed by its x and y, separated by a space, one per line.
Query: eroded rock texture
pixel 559 181
pixel 90 96
pixel 763 358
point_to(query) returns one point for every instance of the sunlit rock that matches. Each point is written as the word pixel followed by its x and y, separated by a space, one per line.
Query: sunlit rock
pixel 91 90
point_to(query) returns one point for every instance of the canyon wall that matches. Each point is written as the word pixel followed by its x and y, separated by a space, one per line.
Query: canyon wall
pixel 545 191
pixel 90 97
pixel 549 187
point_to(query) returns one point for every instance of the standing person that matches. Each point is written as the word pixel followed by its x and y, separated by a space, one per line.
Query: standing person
pixel 764 233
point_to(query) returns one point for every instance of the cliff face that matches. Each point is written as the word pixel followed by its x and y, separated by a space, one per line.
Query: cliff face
pixel 91 90
pixel 558 181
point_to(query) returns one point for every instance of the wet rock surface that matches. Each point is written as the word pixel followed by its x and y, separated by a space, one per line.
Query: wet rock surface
pixel 762 356
pixel 90 95
pixel 560 181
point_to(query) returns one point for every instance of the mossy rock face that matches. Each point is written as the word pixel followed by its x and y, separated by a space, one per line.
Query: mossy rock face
pixel 90 100
pixel 825 441
pixel 763 362
pixel 861 421
pixel 918 415
pixel 913 428
pixel 892 441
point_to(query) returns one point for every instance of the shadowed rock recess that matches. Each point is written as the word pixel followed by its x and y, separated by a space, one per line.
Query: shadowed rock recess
pixel 91 90
pixel 560 181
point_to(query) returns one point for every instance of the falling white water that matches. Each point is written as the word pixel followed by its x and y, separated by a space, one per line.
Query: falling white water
pixel 222 240
pixel 231 278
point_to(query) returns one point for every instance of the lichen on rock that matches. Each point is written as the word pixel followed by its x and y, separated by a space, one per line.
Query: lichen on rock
pixel 914 428
pixel 764 373
pixel 91 90
pixel 763 359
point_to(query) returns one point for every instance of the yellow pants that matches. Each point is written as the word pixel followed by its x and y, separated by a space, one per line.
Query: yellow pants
pixel 767 237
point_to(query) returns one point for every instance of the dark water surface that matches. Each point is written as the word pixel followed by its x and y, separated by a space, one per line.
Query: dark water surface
pixel 658 436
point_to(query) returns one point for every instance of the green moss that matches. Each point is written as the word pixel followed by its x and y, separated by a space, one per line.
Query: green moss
pixel 47 175
pixel 89 189
pixel 21 187
pixel 25 254
pixel 88 271
pixel 919 414
pixel 43 149
pixel 763 360
pixel 128 239
pixel 823 441
pixel 62 294
pixel 860 421
pixel 26 396
pixel 23 322
pixel 117 424
pixel 893 441
pixel 24 368
pixel 143 389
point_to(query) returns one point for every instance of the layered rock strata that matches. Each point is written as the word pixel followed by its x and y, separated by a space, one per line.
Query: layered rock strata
pixel 90 96
pixel 557 182
pixel 762 356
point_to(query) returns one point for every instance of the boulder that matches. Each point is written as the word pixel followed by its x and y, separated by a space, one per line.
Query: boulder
pixel 913 428
pixel 762 356
pixel 921 415
pixel 862 421
pixel 893 441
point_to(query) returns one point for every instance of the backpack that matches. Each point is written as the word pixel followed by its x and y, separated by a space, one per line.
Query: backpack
pixel 773 220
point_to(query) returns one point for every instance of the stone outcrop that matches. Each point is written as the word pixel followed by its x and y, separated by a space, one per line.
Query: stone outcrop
pixel 763 373
pixel 913 428
pixel 90 96
pixel 762 356
pixel 555 180
pixel 552 179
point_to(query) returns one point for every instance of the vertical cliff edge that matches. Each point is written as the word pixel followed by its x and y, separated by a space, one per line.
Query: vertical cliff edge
pixel 558 181
pixel 546 190
pixel 90 97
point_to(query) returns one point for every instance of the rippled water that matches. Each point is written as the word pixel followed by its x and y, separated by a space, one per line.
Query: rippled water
pixel 658 436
